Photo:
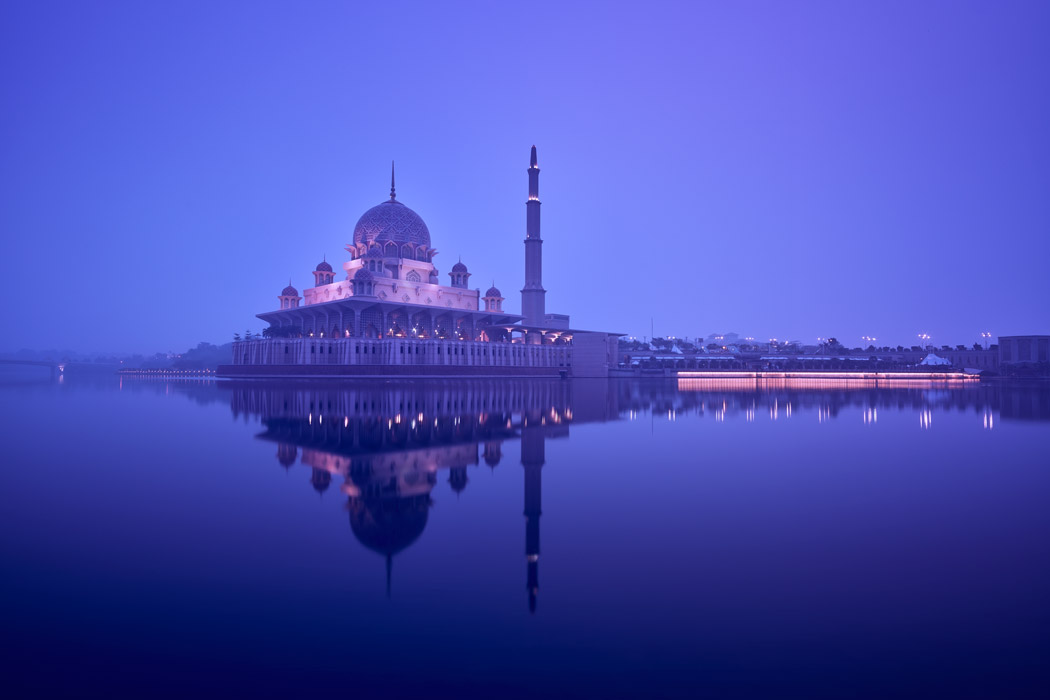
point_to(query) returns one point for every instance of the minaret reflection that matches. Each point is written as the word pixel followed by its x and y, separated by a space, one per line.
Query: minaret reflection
pixel 533 451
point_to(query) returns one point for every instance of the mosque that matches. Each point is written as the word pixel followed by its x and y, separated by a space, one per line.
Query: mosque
pixel 388 314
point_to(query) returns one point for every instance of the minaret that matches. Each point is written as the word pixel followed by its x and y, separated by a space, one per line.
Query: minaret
pixel 532 295
pixel 532 458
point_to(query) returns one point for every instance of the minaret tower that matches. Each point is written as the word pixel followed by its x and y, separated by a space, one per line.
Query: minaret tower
pixel 532 295
pixel 532 458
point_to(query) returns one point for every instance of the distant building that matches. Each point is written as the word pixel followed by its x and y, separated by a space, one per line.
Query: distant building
pixel 972 358
pixel 1016 349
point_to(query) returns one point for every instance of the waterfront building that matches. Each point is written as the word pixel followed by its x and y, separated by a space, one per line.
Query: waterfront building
pixel 388 313
pixel 1017 349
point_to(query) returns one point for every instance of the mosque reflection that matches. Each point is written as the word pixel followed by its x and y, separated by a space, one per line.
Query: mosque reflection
pixel 389 443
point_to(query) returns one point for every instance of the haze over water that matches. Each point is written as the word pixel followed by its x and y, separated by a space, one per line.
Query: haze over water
pixel 703 538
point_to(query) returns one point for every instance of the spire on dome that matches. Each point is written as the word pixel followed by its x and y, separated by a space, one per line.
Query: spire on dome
pixel 392 195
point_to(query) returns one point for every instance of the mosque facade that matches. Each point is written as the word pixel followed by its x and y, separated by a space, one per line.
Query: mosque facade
pixel 386 312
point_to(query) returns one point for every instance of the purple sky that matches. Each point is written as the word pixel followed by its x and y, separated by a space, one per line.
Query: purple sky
pixel 776 169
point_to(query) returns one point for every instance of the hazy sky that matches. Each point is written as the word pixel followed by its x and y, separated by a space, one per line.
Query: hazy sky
pixel 781 169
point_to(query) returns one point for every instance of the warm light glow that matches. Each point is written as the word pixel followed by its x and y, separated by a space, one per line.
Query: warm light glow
pixel 868 376
pixel 925 418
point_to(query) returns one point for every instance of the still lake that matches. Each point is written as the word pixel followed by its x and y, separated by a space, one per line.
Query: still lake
pixel 523 538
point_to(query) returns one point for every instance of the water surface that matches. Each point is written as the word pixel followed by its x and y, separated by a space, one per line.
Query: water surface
pixel 524 538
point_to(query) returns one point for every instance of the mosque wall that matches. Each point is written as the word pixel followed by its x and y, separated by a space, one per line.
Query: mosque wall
pixel 401 291
pixel 287 353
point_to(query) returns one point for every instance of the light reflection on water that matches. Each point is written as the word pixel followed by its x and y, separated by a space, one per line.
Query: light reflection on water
pixel 630 537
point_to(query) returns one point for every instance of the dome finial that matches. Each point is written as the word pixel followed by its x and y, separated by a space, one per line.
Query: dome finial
pixel 392 195
pixel 532 159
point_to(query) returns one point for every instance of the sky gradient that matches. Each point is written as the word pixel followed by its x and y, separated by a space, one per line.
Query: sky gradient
pixel 786 170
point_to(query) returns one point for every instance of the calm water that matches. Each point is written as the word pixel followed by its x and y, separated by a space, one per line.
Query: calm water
pixel 524 538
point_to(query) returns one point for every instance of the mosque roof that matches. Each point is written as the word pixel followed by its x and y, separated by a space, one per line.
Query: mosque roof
pixel 493 292
pixel 459 267
pixel 323 266
pixel 363 274
pixel 290 291
pixel 391 221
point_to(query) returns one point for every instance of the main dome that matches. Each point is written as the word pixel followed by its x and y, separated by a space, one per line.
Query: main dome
pixel 391 221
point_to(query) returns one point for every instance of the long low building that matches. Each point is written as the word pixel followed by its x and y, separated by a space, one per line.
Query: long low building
pixel 1021 349
pixel 389 314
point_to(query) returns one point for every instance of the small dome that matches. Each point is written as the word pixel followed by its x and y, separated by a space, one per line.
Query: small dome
pixel 363 275
pixel 290 291
pixel 457 479
pixel 374 252
pixel 493 454
pixel 493 292
pixel 320 480
pixel 459 267
pixel 323 266
pixel 286 454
